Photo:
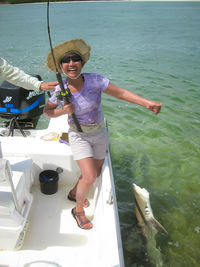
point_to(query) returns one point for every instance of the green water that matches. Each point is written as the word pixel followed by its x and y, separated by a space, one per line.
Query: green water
pixel 153 49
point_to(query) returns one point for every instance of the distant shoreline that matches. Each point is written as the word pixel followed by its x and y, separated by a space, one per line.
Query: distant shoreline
pixel 13 2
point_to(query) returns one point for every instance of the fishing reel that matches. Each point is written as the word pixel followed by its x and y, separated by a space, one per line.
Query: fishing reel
pixel 63 95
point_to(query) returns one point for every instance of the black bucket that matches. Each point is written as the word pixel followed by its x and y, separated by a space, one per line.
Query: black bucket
pixel 49 182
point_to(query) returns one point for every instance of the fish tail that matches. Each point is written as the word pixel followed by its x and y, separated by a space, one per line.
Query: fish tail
pixel 159 226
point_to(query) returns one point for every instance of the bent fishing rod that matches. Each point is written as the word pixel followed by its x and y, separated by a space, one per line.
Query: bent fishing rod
pixel 66 94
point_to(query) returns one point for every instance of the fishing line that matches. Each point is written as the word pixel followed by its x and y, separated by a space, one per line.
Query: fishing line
pixel 65 92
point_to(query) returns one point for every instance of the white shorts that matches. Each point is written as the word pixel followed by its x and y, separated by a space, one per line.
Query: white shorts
pixel 85 145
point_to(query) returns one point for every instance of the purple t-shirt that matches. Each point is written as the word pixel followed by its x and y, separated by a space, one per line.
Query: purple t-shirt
pixel 87 102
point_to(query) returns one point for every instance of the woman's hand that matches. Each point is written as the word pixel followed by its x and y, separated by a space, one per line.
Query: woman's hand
pixel 68 108
pixel 154 106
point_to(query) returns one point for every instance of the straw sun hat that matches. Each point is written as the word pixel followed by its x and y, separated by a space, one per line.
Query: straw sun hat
pixel 76 45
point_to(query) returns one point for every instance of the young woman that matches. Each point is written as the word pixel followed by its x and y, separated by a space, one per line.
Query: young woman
pixel 90 146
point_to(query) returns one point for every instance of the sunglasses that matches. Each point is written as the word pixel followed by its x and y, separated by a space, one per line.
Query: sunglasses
pixel 75 58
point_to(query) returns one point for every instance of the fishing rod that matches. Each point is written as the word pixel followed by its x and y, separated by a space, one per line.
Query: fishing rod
pixel 66 94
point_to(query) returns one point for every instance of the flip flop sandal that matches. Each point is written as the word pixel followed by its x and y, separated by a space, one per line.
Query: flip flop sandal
pixel 72 197
pixel 77 217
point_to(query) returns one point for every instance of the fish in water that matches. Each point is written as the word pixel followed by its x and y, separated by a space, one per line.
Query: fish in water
pixel 148 224
pixel 144 212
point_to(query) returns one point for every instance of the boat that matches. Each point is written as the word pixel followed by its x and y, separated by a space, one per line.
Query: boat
pixel 36 225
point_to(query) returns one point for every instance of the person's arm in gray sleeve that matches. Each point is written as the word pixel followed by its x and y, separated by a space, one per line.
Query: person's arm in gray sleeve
pixel 18 77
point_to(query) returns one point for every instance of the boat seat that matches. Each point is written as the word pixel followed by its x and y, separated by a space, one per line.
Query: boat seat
pixel 7 205
pixel 15 204
pixel 25 165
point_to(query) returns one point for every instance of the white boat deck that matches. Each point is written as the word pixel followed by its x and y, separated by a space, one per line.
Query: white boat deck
pixel 53 238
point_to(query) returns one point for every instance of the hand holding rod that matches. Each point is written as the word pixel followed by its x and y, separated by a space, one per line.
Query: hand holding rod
pixel 65 93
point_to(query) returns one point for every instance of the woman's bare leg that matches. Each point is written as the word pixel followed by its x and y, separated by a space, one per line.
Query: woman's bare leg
pixel 90 169
pixel 98 165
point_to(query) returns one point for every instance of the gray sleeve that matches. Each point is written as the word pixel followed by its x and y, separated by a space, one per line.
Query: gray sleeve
pixel 18 77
